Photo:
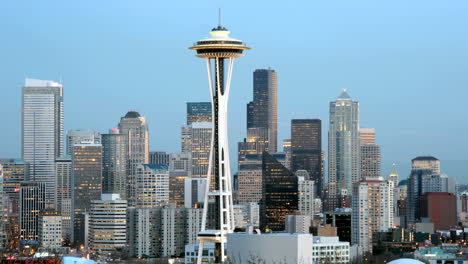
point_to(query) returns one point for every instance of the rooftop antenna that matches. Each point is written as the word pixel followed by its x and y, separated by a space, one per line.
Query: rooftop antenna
pixel 219 17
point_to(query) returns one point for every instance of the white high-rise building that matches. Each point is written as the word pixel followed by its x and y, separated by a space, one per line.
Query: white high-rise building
pixel 144 231
pixel 172 230
pixel 42 131
pixel 50 230
pixel 306 194
pixel 108 223
pixel 372 210
pixel 193 223
pixel 344 161
pixel 151 185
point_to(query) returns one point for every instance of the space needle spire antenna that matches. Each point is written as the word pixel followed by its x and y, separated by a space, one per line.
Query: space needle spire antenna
pixel 219 51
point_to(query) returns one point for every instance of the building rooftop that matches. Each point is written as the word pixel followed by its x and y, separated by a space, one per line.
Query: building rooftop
pixel 344 95
pixel 28 82
pixel 424 158
pixel 132 114
pixel 157 166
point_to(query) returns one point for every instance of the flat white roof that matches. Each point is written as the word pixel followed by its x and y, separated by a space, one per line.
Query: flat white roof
pixel 29 82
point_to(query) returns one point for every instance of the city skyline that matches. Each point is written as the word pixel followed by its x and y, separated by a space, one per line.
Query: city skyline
pixel 403 91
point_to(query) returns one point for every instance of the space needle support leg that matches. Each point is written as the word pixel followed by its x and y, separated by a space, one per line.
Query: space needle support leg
pixel 210 167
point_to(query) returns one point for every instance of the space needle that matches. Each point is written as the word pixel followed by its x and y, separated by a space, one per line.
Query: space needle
pixel 219 52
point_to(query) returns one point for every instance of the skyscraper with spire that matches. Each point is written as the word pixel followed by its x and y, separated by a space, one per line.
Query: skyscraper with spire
pixel 344 161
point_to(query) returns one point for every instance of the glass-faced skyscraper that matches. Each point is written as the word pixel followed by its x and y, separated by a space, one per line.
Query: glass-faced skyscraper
pixel 306 149
pixel 42 130
pixel 279 193
pixel 114 163
pixel 344 161
pixel 262 112
pixel 198 112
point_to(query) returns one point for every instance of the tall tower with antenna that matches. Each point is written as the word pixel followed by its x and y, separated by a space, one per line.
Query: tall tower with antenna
pixel 219 52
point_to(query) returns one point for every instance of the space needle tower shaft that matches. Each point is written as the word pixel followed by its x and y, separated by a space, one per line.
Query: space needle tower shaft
pixel 219 52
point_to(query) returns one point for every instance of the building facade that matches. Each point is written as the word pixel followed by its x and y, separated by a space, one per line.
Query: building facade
pixel 372 210
pixel 249 179
pixel 108 223
pixel 262 112
pixel 306 149
pixel 198 112
pixel 87 185
pixel 135 129
pixel 151 185
pixel 42 131
pixel 64 201
pixel 180 168
pixel 50 230
pixel 370 154
pixel 158 157
pixel 344 161
pixel 279 193
pixel 81 137
pixel 32 202
pixel 114 163
pixel 196 139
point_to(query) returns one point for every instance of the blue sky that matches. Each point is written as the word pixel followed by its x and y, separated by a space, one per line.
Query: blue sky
pixel 406 62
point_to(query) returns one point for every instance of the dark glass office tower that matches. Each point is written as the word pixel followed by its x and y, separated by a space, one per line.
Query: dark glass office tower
pixel 262 112
pixel 114 163
pixel 279 193
pixel 87 184
pixel 198 112
pixel 306 149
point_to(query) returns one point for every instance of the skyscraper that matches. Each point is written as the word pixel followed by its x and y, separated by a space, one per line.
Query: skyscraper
pixel 151 185
pixel 180 168
pixel 135 128
pixel 198 112
pixel 249 179
pixel 422 181
pixel 279 193
pixel 87 184
pixel 426 163
pixel 64 203
pixel 196 139
pixel 42 130
pixel 32 202
pixel 81 137
pixel 114 163
pixel 372 210
pixel 221 50
pixel 158 157
pixel 344 161
pixel 306 149
pixel 262 112
pixel 108 223
pixel 370 154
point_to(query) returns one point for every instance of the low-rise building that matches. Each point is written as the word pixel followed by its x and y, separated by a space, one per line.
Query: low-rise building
pixel 191 253
pixel 257 248
pixel 329 250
